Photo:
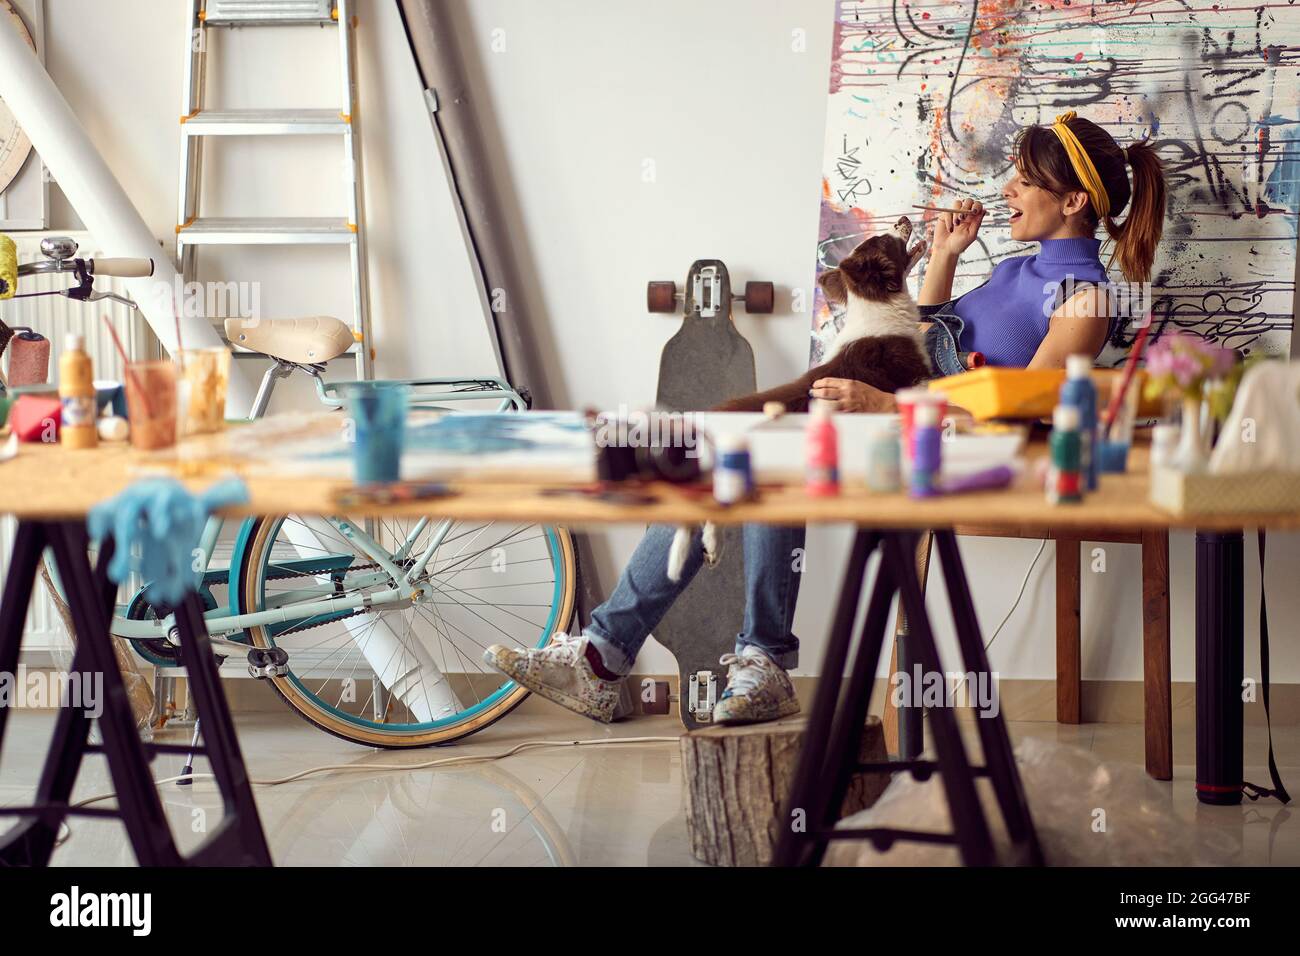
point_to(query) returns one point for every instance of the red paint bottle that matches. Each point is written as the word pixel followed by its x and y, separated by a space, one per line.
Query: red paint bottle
pixel 823 461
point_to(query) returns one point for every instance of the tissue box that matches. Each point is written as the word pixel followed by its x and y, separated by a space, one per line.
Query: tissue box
pixel 1256 492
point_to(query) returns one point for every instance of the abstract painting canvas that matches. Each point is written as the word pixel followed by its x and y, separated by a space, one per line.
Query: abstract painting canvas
pixel 926 97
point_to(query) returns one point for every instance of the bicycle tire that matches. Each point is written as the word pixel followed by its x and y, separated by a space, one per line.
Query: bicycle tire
pixel 309 707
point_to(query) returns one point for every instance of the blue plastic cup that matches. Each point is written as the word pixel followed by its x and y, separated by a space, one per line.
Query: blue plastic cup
pixel 378 412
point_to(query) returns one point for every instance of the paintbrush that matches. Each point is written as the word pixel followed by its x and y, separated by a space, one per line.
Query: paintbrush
pixel 1126 378
pixel 960 212
pixel 127 370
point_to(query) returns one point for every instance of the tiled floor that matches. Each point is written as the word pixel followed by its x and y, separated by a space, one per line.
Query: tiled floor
pixel 616 804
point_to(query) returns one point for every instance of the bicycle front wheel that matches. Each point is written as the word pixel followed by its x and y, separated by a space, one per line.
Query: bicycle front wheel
pixel 403 672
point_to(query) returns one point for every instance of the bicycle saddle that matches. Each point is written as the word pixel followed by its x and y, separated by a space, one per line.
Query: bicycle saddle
pixel 305 341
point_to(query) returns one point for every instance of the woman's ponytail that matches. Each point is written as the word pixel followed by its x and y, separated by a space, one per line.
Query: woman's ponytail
pixel 1138 235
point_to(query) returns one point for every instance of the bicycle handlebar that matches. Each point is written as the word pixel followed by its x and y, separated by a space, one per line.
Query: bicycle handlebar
pixel 122 268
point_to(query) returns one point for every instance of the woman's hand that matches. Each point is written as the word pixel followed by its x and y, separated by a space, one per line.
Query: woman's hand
pixel 850 395
pixel 953 233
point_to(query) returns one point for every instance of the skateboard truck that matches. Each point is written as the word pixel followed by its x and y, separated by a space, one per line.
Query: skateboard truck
pixel 701 695
pixel 710 294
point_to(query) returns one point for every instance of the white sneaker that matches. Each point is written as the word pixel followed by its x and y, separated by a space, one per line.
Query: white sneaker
pixel 561 673
pixel 758 690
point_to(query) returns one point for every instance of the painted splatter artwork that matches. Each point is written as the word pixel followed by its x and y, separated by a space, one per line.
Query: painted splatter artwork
pixel 926 97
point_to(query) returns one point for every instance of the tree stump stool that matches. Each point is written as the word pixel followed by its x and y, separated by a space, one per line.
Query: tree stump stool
pixel 737 779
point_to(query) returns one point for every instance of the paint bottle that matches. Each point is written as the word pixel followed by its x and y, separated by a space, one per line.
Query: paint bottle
pixel 884 460
pixel 1065 476
pixel 733 475
pixel 927 451
pixel 908 401
pixel 823 454
pixel 1079 391
pixel 76 395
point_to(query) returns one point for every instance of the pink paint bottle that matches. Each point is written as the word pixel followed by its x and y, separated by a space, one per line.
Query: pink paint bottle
pixel 823 452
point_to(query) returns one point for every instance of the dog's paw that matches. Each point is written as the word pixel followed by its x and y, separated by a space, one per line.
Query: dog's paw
pixel 712 544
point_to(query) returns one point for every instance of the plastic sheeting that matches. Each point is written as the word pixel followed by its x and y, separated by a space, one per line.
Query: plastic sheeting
pixel 1088 812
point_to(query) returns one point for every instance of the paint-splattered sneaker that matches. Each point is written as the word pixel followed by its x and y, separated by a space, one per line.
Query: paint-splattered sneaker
pixel 758 689
pixel 562 673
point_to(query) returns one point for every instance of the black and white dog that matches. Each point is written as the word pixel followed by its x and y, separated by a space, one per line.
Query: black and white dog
pixel 881 342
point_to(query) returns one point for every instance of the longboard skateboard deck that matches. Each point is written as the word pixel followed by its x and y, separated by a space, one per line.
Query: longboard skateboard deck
pixel 705 363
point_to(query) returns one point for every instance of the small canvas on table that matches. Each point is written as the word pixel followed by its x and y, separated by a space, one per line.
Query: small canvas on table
pixel 523 446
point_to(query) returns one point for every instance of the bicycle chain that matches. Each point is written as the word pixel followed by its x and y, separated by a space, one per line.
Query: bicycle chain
pixel 373 566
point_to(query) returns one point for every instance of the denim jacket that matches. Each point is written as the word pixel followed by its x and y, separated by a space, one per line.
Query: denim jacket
pixel 942 339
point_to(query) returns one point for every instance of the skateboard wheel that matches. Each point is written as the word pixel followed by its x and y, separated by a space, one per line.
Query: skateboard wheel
pixel 661 296
pixel 760 297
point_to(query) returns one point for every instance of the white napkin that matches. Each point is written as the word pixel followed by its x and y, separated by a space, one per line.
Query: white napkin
pixel 1262 432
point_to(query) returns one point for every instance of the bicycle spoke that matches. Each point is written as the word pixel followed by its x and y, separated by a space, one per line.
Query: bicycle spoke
pixel 496 604
pixel 457 651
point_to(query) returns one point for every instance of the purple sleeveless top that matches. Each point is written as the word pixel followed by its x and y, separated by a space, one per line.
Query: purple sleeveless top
pixel 1007 317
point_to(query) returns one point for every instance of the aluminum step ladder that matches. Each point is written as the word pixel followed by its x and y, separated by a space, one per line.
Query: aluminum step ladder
pixel 193 229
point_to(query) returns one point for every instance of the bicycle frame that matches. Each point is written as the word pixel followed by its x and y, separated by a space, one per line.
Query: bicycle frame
pixel 221 622
pixel 427 392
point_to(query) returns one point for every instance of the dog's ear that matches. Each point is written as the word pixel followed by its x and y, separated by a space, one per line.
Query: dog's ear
pixel 832 284
pixel 872 271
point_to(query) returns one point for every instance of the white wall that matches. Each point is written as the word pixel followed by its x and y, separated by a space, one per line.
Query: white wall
pixel 120 62
pixel 583 95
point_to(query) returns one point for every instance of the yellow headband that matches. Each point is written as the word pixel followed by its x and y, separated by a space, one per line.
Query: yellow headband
pixel 1083 167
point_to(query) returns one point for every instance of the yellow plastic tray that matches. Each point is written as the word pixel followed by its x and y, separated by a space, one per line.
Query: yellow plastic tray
pixel 1026 393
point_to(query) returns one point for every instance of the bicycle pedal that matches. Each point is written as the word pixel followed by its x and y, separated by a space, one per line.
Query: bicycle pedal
pixel 264 662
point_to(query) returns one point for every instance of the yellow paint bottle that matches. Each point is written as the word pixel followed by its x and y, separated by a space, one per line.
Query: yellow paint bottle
pixel 77 395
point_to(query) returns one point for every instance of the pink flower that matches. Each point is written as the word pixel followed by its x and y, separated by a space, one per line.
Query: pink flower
pixel 1187 370
pixel 1159 359
pixel 1184 362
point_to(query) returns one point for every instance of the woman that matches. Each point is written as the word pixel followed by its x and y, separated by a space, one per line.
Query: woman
pixel 1033 312
pixel 1057 196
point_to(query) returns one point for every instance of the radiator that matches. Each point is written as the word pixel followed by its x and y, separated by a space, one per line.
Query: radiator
pixel 54 317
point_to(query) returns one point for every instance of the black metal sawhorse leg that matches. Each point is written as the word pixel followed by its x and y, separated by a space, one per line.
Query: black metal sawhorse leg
pixel 238 839
pixel 829 756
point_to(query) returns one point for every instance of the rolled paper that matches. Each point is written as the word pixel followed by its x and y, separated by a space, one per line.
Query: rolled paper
pixel 99 200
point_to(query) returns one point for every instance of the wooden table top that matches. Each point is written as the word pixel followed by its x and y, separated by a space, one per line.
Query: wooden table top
pixel 48 481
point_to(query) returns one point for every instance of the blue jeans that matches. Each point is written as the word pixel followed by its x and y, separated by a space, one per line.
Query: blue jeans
pixel 643 594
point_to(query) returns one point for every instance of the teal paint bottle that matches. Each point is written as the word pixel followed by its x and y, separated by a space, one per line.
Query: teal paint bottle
pixel 1079 392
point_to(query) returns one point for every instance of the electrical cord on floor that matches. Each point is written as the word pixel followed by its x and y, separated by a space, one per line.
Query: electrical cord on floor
pixel 518 748
pixel 426 765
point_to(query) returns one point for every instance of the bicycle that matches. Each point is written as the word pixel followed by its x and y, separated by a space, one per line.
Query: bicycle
pixel 309 599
